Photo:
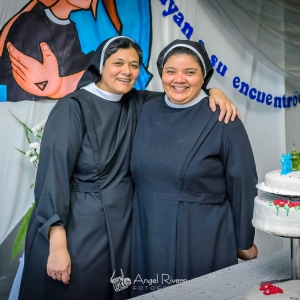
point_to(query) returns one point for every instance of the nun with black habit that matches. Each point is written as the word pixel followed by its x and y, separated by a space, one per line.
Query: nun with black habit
pixel 194 179
pixel 78 240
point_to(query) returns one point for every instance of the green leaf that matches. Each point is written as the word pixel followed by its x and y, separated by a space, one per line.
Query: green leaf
pixel 32 185
pixel 271 204
pixel 277 209
pixel 287 208
pixel 297 207
pixel 22 123
pixel 26 128
pixel 23 152
pixel 20 238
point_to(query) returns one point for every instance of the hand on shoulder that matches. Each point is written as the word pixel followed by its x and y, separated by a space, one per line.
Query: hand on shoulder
pixel 228 109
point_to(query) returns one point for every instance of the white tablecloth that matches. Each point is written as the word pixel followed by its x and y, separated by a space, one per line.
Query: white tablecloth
pixel 229 283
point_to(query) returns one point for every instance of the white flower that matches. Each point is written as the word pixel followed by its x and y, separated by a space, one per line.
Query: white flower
pixel 33 158
pixel 39 127
pixel 43 123
pixel 37 150
pixel 34 130
pixel 34 145
pixel 29 152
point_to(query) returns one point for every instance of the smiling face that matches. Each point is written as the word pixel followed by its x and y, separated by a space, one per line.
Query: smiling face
pixel 182 78
pixel 120 71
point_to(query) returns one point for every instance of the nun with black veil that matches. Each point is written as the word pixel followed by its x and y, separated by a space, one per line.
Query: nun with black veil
pixel 78 240
pixel 194 179
pixel 79 232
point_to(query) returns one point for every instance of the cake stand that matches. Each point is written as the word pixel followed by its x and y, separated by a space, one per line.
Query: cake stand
pixel 295 262
pixel 295 252
pixel 295 248
pixel 295 256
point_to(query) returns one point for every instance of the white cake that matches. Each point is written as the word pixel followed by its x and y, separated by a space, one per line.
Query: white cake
pixel 276 183
pixel 280 215
pixel 279 220
pixel 291 290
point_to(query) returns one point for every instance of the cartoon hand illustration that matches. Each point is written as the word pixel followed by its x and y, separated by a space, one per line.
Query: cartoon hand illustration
pixel 7 26
pixel 40 79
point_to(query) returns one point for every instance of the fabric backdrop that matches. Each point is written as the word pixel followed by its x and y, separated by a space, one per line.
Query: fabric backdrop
pixel 235 69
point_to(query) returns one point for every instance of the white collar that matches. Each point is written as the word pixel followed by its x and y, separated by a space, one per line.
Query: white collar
pixel 93 88
pixel 54 19
pixel 189 104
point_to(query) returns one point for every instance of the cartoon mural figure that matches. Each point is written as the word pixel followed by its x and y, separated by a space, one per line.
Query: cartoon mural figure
pixel 43 55
pixel 34 4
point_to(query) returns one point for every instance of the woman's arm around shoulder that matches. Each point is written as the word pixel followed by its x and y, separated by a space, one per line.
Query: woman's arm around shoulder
pixel 227 108
pixel 216 97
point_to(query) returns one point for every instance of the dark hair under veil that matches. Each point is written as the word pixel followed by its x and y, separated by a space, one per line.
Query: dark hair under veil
pixel 199 50
pixel 111 45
